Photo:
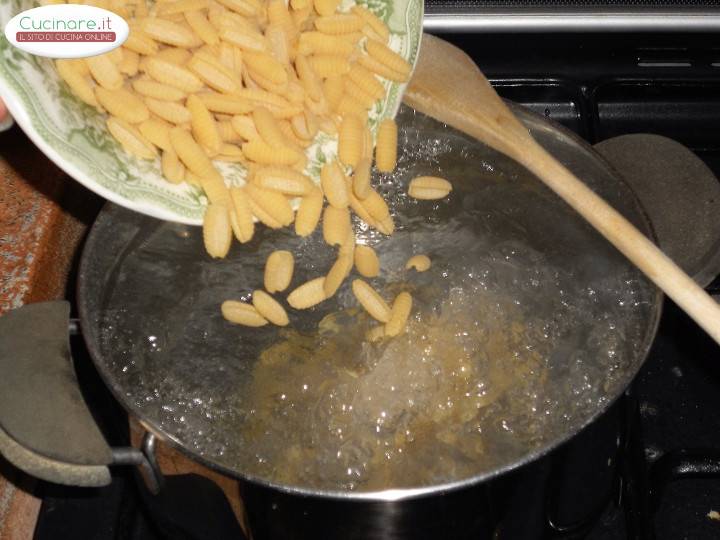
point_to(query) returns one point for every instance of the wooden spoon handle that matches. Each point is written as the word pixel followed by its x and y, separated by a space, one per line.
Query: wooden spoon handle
pixel 667 275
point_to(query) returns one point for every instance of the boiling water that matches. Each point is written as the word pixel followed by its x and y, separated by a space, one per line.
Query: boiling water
pixel 525 326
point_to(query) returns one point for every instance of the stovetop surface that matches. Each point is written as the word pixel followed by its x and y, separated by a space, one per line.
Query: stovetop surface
pixel 649 468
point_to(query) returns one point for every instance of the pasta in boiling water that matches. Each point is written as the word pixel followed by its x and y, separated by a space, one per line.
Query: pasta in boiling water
pixel 255 82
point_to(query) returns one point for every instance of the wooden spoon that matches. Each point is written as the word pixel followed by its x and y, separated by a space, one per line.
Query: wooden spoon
pixel 448 86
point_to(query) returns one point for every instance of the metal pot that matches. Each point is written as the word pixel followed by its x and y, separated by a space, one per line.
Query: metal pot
pixel 148 305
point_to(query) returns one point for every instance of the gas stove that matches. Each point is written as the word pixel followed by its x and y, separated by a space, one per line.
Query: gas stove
pixel 647 469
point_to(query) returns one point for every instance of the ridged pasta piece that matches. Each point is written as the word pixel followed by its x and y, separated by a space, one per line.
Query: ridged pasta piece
pixel 257 80
pixel 294 93
pixel 309 211
pixel 168 110
pixel 366 80
pixel 166 31
pixel 350 141
pixel 262 98
pixel 429 188
pixel 304 126
pixel 172 169
pixel 225 104
pixel 204 127
pixel 130 138
pixel 157 90
pixel 245 38
pixel 217 234
pixel 333 89
pixel 245 127
pixel 309 294
pixel 214 187
pixel 226 55
pixel 174 55
pixel 366 261
pixel 284 180
pixel 420 263
pixel 140 42
pixel 264 154
pixel 319 43
pixel 309 79
pixel 241 217
pixel 379 211
pixel 371 300
pixel 326 7
pixel 402 305
pixel 242 313
pixel 266 66
pixel 105 72
pixel 157 132
pixel 202 27
pixel 352 37
pixel 348 245
pixel 339 24
pixel 334 184
pixel 327 65
pixel 268 128
pixel 191 154
pixel 361 179
pixel 278 271
pixel 377 67
pixel 130 63
pixel 115 55
pixel 211 71
pixel 336 225
pixel 385 55
pixel 274 204
pixel 77 64
pixel 386 147
pixel 358 94
pixel 372 20
pixel 173 75
pixel 270 308
pixel 301 16
pixel 123 104
pixel 246 8
pixel 357 206
pixel 277 38
pixel 349 106
pixel 227 132
pixel 77 82
pixel 278 15
pixel 338 272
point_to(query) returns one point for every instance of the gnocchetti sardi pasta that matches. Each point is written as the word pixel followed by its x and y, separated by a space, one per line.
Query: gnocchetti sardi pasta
pixel 366 261
pixel 371 300
pixel 279 271
pixel 399 314
pixel 270 308
pixel 242 313
pixel 421 263
pixel 429 188
pixel 255 82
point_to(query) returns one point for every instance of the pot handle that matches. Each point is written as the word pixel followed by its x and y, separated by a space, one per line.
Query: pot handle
pixel 46 428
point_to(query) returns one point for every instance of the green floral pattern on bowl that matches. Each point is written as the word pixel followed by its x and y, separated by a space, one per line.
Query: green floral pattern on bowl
pixel 74 136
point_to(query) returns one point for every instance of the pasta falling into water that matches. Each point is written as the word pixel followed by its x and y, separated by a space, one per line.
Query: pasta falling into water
pixel 255 82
